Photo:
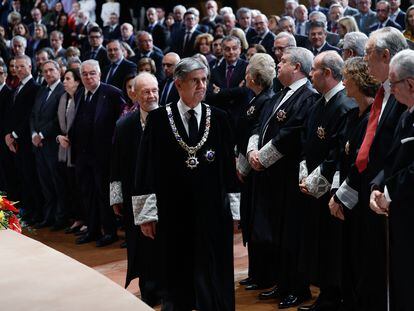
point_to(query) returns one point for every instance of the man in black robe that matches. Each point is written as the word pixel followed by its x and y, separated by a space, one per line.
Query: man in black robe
pixel 274 151
pixel 185 175
pixel 322 232
pixel 127 137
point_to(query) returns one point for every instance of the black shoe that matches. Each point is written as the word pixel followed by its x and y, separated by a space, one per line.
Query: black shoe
pixel 293 301
pixel 320 306
pixel 85 239
pixel 274 293
pixel 41 225
pixel 58 226
pixel 69 230
pixel 106 240
pixel 81 232
pixel 246 281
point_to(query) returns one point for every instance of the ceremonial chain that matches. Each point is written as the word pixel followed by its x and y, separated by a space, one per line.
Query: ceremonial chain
pixel 192 160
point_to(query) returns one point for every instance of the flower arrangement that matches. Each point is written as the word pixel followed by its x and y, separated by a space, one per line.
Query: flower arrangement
pixel 8 215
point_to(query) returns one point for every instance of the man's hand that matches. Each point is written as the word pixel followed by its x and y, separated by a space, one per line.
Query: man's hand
pixel 253 158
pixel 240 176
pixel 63 141
pixel 37 140
pixel 13 148
pixel 117 209
pixel 216 89
pixel 9 139
pixel 303 188
pixel 336 209
pixel 378 203
pixel 149 229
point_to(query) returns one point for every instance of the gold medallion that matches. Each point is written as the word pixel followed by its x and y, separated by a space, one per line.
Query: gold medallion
pixel 321 132
pixel 281 115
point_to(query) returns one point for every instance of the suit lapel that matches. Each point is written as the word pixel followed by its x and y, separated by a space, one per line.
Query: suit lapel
pixel 99 100
pixel 388 107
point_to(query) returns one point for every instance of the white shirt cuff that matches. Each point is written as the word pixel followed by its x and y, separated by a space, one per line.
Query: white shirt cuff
pixel 387 194
pixel 14 135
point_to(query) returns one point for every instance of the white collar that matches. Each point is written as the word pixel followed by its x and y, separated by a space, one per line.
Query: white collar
pixel 54 85
pixel 2 85
pixel 183 108
pixel 396 12
pixel 333 91
pixel 298 84
pixel 25 80
pixel 387 87
pixel 93 91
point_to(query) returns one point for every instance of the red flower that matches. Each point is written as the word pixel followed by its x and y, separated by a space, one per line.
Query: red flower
pixel 14 224
pixel 8 206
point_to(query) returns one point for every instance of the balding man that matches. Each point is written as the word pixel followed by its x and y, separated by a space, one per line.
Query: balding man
pixel 168 91
pixel 383 10
pixel 396 14
pixel 354 44
pixel 127 138
pixel 159 33
pixel 212 18
pixel 264 36
pixel 393 195
pixel 184 43
pixel 127 35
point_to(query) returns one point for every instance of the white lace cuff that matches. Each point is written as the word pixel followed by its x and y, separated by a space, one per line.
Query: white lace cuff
pixel 317 184
pixel 144 208
pixel 115 193
pixel 253 143
pixel 303 170
pixel 336 180
pixel 243 166
pixel 347 195
pixel 268 155
pixel 234 199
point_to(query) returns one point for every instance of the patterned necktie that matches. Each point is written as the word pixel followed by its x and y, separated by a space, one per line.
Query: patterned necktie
pixel 229 74
pixel 363 154
pixel 192 128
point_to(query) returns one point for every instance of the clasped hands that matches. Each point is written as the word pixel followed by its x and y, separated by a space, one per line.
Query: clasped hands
pixel 378 203
pixel 253 158
pixel 10 142
pixel 63 141
pixel 149 229
pixel 37 140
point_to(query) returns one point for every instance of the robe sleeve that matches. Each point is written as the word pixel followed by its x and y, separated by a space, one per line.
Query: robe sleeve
pixel 400 185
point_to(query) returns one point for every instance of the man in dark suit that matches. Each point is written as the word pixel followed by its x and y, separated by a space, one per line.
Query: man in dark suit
pixel 119 68
pixel 44 129
pixel 127 35
pixel 396 14
pixel 146 48
pixel 383 11
pixel 168 92
pixel 393 195
pixel 160 34
pixel 348 11
pixel 287 24
pixel 382 45
pixel 365 17
pixel 41 57
pixel 112 30
pixel 96 50
pixel 314 6
pixel 244 21
pixel 322 234
pixel 184 44
pixel 317 38
pixel 264 36
pixel 301 20
pixel 98 108
pixel 6 96
pixel 37 19
pixel 212 18
pixel 56 41
pixel 18 139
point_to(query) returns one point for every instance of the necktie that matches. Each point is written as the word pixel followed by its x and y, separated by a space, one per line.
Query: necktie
pixel 88 98
pixel 165 92
pixel 93 54
pixel 111 72
pixel 280 98
pixel 229 74
pixel 192 128
pixel 363 154
pixel 315 51
pixel 187 39
pixel 49 91
pixel 17 91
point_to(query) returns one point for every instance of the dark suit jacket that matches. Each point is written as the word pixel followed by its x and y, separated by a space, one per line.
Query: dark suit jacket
pixel 6 96
pixel 389 23
pixel 400 19
pixel 160 35
pixel 101 56
pixel 321 9
pixel 172 97
pixel 267 41
pixel 370 20
pixel 61 53
pixel 178 45
pixel 328 47
pixel 114 34
pixel 211 24
pixel 250 34
pixel 109 104
pixel 157 55
pixel 44 117
pixel 17 116
pixel 349 11
pixel 124 69
pixel 303 42
pixel 332 38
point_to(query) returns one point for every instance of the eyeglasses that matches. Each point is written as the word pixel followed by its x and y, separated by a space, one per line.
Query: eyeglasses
pixel 92 74
pixel 396 82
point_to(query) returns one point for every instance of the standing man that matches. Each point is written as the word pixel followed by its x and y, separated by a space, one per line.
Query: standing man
pixel 56 41
pixel 322 232
pixel 244 21
pixel 159 33
pixel 396 14
pixel 44 129
pixel 6 96
pixel 264 36
pixel 99 106
pixel 96 51
pixel 168 91
pixel 183 45
pixel 383 10
pixel 365 17
pixel 115 73
pixel 196 153
pixel 140 250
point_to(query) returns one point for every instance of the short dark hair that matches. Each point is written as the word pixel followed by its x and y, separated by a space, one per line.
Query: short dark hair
pixel 317 24
pixel 95 29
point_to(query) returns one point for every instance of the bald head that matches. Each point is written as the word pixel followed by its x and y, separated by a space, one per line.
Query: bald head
pixel 146 91
pixel 169 62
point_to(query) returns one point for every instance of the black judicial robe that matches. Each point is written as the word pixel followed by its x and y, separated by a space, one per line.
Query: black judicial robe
pixel 398 176
pixel 322 252
pixel 274 215
pixel 194 228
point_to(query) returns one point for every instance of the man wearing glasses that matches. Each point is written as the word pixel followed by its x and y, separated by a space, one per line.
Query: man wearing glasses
pixel 97 51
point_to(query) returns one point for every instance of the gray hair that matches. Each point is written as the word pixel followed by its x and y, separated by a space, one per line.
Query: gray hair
pixel 355 41
pixel 301 56
pixel 20 39
pixel 25 57
pixel 336 5
pixel 74 60
pixel 289 36
pixel 231 38
pixel 58 33
pixel 54 63
pixel 91 62
pixel 187 65
pixel 262 69
pixel 180 7
pixel 389 38
pixel 225 9
pixel 194 11
pixel 319 16
pixel 144 76
pixel 403 64
pixel 333 61
pixel 243 10
pixel 286 18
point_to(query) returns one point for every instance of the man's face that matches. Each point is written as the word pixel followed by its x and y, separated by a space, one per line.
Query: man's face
pixel 147 94
pixel 402 88
pixel 279 47
pixel 50 73
pixel 285 70
pixel 152 16
pixel 193 88
pixel 245 20
pixel 95 39
pixel 217 49
pixel 168 64
pixel 41 58
pixel 383 11
pixel 364 5
pixel 190 21
pixel 211 8
pixel 287 26
pixel 18 48
pixel 126 31
pixel 55 41
pixel 394 4
pixel 229 22
pixel 374 60
pixel 160 13
pixel 231 51
pixel 314 2
pixel 317 36
pixel 113 19
pixel 3 75
pixel 317 75
pixel 301 14
pixel 260 25
pixel 145 43
pixel 290 9
pixel 178 15
pixel 90 77
pixel 23 68
pixel 335 14
pixel 114 51
pixel 36 16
